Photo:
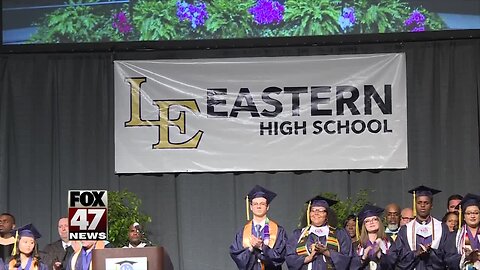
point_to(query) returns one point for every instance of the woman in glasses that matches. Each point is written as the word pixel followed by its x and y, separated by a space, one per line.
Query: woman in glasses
pixel 468 235
pixel 374 244
pixel 319 245
pixel 406 216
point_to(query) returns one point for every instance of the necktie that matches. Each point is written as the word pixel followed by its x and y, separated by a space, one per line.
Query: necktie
pixel 68 253
pixel 257 229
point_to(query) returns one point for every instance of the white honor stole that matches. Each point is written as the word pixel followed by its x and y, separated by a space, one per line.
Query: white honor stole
pixel 460 243
pixel 434 229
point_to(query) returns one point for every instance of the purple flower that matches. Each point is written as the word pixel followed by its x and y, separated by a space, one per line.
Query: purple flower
pixel 195 13
pixel 267 12
pixel 415 22
pixel 120 22
pixel 419 29
pixel 347 19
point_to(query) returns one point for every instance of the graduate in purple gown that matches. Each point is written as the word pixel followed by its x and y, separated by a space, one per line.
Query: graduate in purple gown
pixel 25 253
pixel 374 245
pixel 260 243
pixel 424 243
pixel 82 258
pixel 468 235
pixel 318 245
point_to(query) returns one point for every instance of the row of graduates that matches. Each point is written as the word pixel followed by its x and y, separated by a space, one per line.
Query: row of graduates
pixel 423 243
pixel 25 254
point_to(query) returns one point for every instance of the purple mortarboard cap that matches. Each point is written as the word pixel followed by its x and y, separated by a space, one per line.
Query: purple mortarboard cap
pixel 321 201
pixel 261 192
pixel 424 191
pixel 28 230
pixel 469 200
pixel 369 211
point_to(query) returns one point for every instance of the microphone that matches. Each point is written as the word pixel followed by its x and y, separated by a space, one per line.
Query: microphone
pixel 136 225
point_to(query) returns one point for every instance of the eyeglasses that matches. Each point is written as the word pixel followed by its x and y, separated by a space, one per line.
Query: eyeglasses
pixel 408 218
pixel 371 220
pixel 261 204
pixel 472 213
pixel 318 210
pixel 393 214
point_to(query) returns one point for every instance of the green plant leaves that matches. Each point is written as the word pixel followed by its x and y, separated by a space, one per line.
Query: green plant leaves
pixel 123 211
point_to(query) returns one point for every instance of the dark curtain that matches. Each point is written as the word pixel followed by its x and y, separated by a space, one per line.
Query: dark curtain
pixel 56 134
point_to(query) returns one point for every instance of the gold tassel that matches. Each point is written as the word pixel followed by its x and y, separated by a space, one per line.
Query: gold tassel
pixel 414 205
pixel 308 212
pixel 459 217
pixel 357 229
pixel 247 207
pixel 14 251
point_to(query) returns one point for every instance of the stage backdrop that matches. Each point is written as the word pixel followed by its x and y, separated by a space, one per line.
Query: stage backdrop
pixel 261 114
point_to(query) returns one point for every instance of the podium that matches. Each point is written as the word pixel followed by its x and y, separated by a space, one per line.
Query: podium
pixel 154 257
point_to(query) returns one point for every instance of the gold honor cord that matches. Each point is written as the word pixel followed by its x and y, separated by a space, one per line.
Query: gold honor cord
pixel 414 205
pixel 460 217
pixel 357 229
pixel 14 251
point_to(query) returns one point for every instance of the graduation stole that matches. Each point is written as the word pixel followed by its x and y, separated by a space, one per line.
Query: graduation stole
pixel 436 230
pixel 247 232
pixel 463 239
pixel 34 266
pixel 332 241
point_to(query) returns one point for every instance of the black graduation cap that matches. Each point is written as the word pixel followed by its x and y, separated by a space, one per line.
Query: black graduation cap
pixel 321 201
pixel 318 201
pixel 261 192
pixel 369 211
pixel 27 230
pixel 424 191
pixel 469 200
pixel 421 191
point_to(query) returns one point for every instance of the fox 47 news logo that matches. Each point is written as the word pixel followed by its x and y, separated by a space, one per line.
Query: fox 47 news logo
pixel 87 214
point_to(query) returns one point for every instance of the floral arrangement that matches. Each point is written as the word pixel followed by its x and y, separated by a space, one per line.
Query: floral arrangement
pixel 208 19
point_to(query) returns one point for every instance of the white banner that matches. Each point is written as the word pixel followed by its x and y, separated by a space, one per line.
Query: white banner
pixel 261 114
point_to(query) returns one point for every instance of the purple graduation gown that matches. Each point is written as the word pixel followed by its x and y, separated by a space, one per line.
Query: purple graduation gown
pixel 442 257
pixel 340 260
pixel 272 258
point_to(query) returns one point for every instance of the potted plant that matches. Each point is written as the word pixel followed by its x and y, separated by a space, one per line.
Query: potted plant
pixel 123 211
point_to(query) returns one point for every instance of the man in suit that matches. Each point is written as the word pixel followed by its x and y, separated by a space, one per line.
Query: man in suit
pixel 57 252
